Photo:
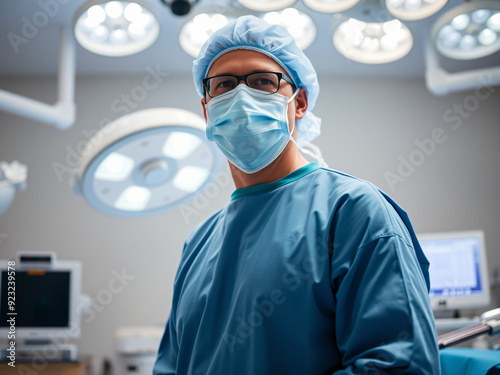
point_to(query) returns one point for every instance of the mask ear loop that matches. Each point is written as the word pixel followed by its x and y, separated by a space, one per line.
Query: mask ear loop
pixel 293 126
pixel 315 152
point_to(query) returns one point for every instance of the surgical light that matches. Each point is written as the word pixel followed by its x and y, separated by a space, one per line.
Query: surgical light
pixel 198 29
pixel 12 178
pixel 266 5
pixel 298 24
pixel 330 6
pixel 115 28
pixel 147 162
pixel 373 43
pixel 469 31
pixel 412 10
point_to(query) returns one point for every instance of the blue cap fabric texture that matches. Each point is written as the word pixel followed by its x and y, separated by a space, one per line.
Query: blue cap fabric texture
pixel 253 33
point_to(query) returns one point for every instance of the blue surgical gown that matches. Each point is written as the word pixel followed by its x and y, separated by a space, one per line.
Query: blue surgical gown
pixel 315 273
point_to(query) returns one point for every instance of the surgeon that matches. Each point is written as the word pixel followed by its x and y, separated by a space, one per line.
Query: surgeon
pixel 306 271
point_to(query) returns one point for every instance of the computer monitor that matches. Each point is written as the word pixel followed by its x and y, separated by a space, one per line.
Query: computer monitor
pixel 458 269
pixel 47 298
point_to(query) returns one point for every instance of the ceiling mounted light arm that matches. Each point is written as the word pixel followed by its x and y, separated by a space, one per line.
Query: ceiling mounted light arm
pixel 62 113
pixel 440 82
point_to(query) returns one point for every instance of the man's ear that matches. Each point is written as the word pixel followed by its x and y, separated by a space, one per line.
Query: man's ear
pixel 204 109
pixel 301 103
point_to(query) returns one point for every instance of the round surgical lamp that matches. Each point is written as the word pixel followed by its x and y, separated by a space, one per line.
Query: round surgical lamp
pixel 412 10
pixel 373 43
pixel 469 31
pixel 196 31
pixel 12 177
pixel 147 162
pixel 266 5
pixel 330 6
pixel 116 28
pixel 299 25
pixel 370 35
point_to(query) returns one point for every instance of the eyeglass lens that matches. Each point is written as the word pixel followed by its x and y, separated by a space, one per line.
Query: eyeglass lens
pixel 268 82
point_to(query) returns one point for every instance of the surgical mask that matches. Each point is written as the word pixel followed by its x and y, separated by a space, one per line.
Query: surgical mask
pixel 250 127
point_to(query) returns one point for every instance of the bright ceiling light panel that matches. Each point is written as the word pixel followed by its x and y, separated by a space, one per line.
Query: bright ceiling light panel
pixel 266 5
pixel 412 10
pixel 373 43
pixel 298 24
pixel 469 31
pixel 147 162
pixel 330 6
pixel 115 28
pixel 198 29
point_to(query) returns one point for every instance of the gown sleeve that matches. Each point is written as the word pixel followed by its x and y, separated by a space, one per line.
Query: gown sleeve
pixel 383 320
pixel 168 353
pixel 166 361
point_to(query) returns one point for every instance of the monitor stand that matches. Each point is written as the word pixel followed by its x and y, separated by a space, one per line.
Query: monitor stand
pixel 41 351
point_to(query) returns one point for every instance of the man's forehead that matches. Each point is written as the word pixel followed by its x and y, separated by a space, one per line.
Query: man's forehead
pixel 243 61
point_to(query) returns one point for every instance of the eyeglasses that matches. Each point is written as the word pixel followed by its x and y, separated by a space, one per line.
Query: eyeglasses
pixel 268 82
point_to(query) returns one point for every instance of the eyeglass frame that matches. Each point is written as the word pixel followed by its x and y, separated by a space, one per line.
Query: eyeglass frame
pixel 244 79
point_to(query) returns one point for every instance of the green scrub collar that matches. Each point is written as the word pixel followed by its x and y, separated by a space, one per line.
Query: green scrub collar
pixel 268 186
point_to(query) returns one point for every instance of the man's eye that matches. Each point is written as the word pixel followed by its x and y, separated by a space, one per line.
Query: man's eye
pixel 225 84
pixel 264 81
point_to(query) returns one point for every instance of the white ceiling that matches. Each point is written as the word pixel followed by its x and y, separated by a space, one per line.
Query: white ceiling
pixel 39 55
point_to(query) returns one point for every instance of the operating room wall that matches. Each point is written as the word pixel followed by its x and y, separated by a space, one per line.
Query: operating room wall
pixel 438 157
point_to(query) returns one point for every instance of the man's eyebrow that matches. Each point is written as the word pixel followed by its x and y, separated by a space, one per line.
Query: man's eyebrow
pixel 250 72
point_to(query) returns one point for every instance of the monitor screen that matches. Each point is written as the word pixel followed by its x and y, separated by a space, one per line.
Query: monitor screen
pixel 458 269
pixel 42 298
pixel 47 297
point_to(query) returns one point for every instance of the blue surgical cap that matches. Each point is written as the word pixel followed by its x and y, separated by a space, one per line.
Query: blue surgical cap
pixel 253 33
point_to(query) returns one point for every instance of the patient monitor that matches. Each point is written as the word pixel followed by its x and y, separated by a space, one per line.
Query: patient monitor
pixel 43 295
pixel 458 270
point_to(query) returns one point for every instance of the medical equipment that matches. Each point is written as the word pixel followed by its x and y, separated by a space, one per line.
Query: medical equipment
pixel 468 32
pixel 45 312
pixel 12 177
pixel 147 162
pixel 136 349
pixel 458 270
pixel 489 322
pixel 116 28
pixel 61 114
pixel 365 37
pixel 180 7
